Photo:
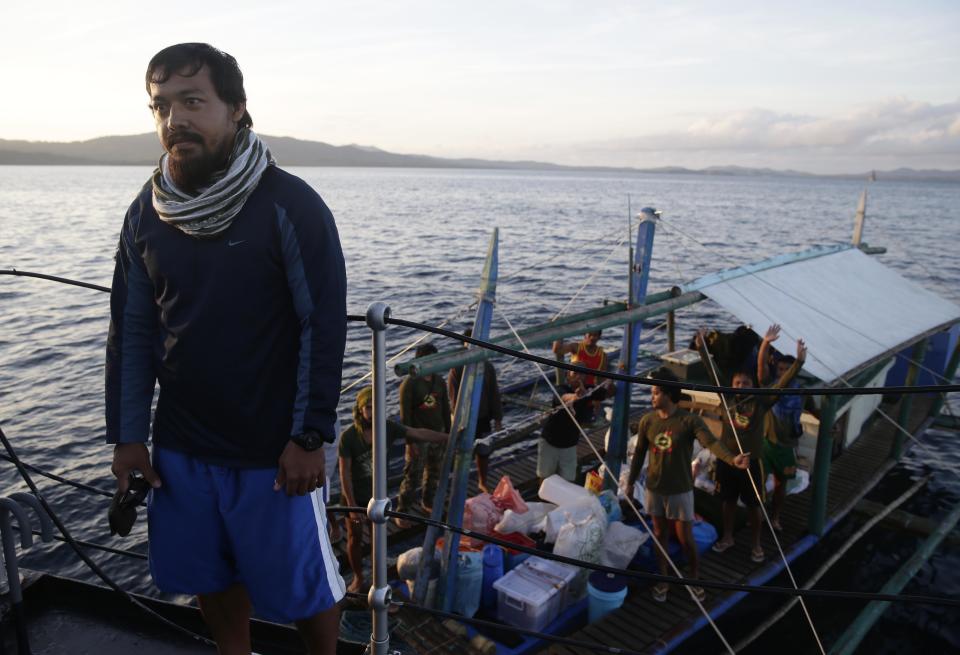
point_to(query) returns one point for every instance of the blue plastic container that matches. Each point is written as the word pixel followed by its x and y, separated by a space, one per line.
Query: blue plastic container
pixel 492 571
pixel 606 592
pixel 468 587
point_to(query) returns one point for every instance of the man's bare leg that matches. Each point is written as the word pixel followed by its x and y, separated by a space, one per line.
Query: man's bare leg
pixel 227 614
pixel 320 631
pixel 482 465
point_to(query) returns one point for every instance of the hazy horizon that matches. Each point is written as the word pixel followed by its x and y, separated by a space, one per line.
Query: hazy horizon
pixel 824 88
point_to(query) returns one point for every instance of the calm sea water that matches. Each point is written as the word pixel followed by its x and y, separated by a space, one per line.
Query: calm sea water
pixel 416 239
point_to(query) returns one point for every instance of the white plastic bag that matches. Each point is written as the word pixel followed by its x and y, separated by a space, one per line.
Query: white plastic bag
pixel 582 540
pixel 558 491
pixel 620 544
pixel 524 523
pixel 579 510
pixel 408 562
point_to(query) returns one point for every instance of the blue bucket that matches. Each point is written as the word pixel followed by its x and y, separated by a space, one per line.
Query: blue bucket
pixel 606 592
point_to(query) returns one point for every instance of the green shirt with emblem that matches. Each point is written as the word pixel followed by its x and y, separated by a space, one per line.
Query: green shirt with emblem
pixel 670 444
pixel 360 453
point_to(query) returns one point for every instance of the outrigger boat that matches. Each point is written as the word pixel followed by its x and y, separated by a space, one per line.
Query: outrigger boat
pixel 837 298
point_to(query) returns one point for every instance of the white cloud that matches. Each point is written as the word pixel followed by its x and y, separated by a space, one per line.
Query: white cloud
pixel 894 132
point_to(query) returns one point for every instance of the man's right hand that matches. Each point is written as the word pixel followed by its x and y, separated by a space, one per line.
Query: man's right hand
pixel 130 457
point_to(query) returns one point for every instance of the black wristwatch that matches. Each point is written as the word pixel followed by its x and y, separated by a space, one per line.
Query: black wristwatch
pixel 309 440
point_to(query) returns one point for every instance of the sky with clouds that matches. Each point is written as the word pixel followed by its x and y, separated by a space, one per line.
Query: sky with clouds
pixel 817 86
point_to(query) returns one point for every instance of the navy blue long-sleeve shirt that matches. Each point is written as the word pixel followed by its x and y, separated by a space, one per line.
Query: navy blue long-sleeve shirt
pixel 244 332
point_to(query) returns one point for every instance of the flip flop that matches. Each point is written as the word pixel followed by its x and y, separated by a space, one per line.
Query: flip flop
pixel 659 592
pixel 699 593
pixel 757 556
pixel 721 546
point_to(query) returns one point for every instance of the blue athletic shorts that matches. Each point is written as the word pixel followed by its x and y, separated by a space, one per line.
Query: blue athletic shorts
pixel 213 526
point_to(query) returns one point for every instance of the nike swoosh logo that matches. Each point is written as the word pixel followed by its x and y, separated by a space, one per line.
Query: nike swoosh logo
pixel 235 243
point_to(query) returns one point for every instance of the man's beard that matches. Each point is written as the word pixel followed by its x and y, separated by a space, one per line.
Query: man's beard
pixel 195 170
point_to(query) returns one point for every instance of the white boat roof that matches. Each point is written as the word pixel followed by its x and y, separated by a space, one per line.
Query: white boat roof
pixel 848 308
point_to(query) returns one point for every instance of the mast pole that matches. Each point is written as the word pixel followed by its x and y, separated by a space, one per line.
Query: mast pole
pixel 459 452
pixel 638 281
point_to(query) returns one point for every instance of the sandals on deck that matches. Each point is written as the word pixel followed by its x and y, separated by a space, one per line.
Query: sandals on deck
pixel 659 592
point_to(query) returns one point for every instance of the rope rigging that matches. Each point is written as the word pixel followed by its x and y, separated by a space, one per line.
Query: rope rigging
pixel 611 375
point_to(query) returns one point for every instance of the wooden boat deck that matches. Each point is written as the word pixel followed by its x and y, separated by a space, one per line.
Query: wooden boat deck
pixel 852 475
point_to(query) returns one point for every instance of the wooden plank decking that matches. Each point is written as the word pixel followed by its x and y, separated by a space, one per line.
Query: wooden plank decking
pixel 852 474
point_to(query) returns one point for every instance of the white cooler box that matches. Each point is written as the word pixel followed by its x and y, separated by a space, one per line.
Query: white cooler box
pixel 562 575
pixel 533 594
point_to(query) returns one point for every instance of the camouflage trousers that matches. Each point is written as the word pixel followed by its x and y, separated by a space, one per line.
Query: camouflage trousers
pixel 420 471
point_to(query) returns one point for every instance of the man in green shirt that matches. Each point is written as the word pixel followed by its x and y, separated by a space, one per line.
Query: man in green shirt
pixel 781 425
pixel 666 434
pixel 356 471
pixel 743 430
pixel 423 404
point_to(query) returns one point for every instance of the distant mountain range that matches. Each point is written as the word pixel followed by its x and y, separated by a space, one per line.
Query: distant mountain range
pixel 144 150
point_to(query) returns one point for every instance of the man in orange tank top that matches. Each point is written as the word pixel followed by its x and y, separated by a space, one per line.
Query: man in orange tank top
pixel 588 353
pixel 585 353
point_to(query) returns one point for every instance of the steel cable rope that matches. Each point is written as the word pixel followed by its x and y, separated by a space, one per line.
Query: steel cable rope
pixel 640 575
pixel 616 483
pixel 611 375
pixel 756 492
pixel 547 258
pixel 503 626
pixel 590 279
pixel 60 478
pixel 758 391
pixel 843 380
pixel 83 556
pixel 409 347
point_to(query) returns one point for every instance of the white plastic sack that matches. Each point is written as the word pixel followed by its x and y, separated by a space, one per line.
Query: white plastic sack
pixel 584 508
pixel 582 540
pixel 701 466
pixel 408 562
pixel 524 523
pixel 558 491
pixel 620 544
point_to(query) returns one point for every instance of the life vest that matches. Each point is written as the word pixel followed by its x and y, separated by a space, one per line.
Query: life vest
pixel 788 410
pixel 598 360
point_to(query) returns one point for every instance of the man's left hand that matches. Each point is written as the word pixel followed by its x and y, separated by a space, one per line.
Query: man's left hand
pixel 742 461
pixel 299 471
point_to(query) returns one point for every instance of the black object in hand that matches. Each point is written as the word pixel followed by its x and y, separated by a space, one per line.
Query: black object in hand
pixel 123 508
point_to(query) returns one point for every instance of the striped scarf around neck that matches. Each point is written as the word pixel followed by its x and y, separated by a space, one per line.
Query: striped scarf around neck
pixel 210 212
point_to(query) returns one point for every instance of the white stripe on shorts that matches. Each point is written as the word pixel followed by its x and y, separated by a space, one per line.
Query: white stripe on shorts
pixel 337 586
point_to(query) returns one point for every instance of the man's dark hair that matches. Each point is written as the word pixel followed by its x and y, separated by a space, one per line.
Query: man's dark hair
pixel 746 372
pixel 425 349
pixel 786 359
pixel 188 58
pixel 665 374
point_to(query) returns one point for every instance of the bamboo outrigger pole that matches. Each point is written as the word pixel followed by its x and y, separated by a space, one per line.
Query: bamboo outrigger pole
pixel 849 640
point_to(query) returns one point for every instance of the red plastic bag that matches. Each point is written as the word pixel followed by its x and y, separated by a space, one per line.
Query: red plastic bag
pixel 481 513
pixel 506 497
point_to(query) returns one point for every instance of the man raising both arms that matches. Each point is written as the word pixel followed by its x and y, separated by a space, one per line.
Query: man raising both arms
pixel 230 291
pixel 667 433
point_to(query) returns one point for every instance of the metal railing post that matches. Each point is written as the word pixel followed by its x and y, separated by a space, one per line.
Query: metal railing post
pixel 379 595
